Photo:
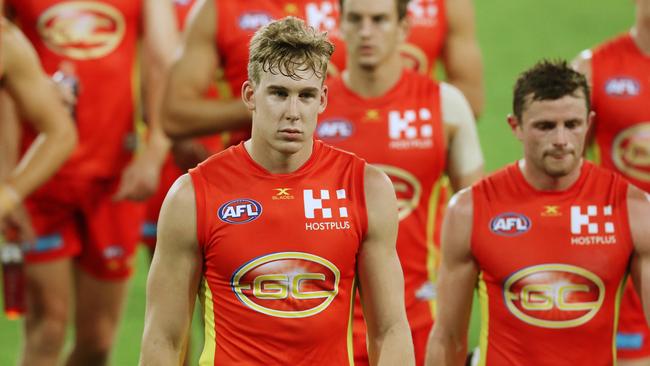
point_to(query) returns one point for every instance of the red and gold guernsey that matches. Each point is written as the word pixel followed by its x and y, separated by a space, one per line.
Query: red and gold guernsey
pixel 621 91
pixel 620 95
pixel 425 40
pixel 552 267
pixel 400 132
pixel 97 42
pixel 279 257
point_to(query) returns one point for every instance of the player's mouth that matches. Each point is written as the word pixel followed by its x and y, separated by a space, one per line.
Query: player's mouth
pixel 290 133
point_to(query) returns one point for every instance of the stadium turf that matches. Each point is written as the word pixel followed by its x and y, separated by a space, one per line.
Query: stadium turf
pixel 513 34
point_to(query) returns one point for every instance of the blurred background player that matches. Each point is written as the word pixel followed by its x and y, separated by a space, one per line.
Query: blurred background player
pixel 618 72
pixel 286 296
pixel 217 39
pixel 412 128
pixel 86 222
pixel 445 31
pixel 569 228
pixel 24 83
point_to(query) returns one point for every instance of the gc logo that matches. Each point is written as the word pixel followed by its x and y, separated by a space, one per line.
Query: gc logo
pixel 287 285
pixel 554 295
pixel 407 189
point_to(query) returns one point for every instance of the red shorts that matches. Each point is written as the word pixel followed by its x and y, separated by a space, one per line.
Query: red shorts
pixel 78 218
pixel 170 172
pixel 632 338
pixel 420 337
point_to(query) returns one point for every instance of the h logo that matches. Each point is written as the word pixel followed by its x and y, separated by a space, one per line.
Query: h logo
pixel 580 220
pixel 312 204
pixel 399 126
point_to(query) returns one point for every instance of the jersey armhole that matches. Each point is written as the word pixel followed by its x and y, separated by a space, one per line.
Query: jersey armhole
pixel 360 172
pixel 199 195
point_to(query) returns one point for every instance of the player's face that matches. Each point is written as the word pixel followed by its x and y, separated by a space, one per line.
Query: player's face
pixel 285 110
pixel 553 133
pixel 371 31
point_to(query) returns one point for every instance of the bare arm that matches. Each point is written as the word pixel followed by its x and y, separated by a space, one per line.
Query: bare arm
pixel 173 279
pixel 464 156
pixel 638 213
pixel 456 281
pixel 141 177
pixel 381 279
pixel 462 55
pixel 186 112
pixel 37 101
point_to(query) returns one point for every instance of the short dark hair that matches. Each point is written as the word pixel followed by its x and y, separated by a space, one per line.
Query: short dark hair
pixel 548 80
pixel 287 46
pixel 402 6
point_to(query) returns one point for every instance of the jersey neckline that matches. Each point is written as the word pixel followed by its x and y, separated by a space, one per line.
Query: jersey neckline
pixel 574 188
pixel 261 171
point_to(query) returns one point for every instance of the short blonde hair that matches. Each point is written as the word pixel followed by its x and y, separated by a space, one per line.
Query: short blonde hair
pixel 286 46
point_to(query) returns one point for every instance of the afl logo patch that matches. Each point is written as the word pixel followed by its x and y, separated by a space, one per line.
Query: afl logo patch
pixel 82 30
pixel 254 21
pixel 240 211
pixel 334 130
pixel 510 224
pixel 622 87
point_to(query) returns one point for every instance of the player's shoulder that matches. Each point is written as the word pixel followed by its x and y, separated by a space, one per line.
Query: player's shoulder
pixel 461 204
pixel 614 44
pixel 328 154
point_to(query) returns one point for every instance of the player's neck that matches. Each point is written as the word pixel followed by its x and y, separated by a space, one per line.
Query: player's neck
pixel 543 182
pixel 641 35
pixel 373 82
pixel 275 161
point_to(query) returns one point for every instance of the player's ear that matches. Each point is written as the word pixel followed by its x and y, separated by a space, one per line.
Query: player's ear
pixel 404 26
pixel 515 125
pixel 590 119
pixel 323 99
pixel 248 95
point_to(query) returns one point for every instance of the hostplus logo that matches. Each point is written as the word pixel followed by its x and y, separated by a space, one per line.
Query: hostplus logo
pixel 592 225
pixel 410 129
pixel 324 211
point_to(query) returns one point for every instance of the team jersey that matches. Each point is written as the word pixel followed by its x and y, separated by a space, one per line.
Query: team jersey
pixel 424 42
pixel 400 132
pixel 279 257
pixel 97 40
pixel 552 267
pixel 621 92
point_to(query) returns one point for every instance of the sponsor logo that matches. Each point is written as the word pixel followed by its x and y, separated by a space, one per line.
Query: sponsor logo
pixel 254 21
pixel 551 211
pixel 334 130
pixel 331 214
pixel 423 12
pixel 113 251
pixel 287 285
pixel 240 211
pixel 631 151
pixel 554 295
pixel 589 227
pixel 622 87
pixel 410 129
pixel 81 30
pixel 321 16
pixel 283 194
pixel 408 189
pixel 510 224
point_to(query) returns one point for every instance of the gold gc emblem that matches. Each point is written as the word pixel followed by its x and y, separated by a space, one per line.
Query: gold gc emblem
pixel 82 30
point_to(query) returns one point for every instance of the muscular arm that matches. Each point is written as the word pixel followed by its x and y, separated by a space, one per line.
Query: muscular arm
pixel 173 279
pixel 456 281
pixel 464 156
pixel 380 277
pixel 638 203
pixel 37 101
pixel 461 54
pixel 186 112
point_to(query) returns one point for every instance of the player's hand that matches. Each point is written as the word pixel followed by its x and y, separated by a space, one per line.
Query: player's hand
pixel 139 180
pixel 18 221
pixel 189 153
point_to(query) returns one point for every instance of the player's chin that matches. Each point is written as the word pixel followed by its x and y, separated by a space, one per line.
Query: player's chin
pixel 559 168
pixel 289 146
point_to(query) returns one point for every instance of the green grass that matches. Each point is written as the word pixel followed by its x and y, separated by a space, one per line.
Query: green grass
pixel 513 35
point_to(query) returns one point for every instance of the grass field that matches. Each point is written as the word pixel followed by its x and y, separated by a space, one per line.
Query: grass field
pixel 513 34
